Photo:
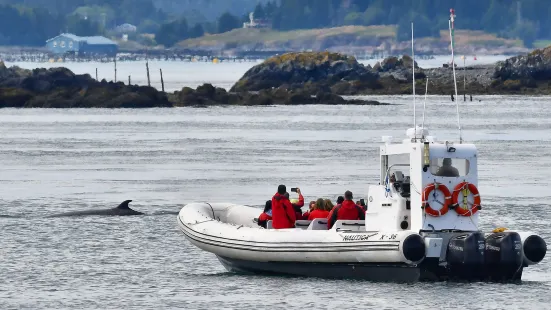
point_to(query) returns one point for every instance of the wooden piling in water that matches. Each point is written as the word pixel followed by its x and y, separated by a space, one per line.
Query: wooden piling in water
pixel 115 60
pixel 162 81
pixel 147 69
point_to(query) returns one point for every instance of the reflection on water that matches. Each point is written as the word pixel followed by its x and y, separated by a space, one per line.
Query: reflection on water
pixel 53 161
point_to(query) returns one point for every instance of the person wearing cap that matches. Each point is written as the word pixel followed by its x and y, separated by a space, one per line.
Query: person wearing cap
pixel 283 213
pixel 447 170
pixel 266 215
pixel 348 210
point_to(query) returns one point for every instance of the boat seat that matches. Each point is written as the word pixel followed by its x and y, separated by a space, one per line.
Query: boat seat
pixel 269 224
pixel 349 225
pixel 302 224
pixel 399 176
pixel 318 224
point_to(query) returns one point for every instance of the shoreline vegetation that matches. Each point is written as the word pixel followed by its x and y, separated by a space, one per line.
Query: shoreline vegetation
pixel 288 79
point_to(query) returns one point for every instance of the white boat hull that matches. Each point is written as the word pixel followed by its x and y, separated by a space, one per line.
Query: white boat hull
pixel 230 232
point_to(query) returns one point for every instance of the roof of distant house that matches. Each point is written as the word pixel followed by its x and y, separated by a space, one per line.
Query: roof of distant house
pixel 99 40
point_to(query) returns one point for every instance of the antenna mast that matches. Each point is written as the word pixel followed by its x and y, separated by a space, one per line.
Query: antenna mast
pixel 413 71
pixel 424 107
pixel 452 26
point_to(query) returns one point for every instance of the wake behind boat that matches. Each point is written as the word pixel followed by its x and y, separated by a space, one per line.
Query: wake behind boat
pixel 421 223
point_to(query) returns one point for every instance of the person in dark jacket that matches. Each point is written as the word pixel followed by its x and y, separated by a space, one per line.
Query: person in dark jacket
pixel 283 213
pixel 348 210
pixel 447 170
pixel 266 215
pixel 340 199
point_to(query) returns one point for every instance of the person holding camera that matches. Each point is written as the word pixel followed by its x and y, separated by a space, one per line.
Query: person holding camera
pixel 283 212
pixel 297 203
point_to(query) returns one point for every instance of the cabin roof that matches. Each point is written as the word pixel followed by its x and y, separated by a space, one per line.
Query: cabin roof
pixel 94 40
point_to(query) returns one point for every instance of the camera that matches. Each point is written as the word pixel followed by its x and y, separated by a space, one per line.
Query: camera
pixel 294 189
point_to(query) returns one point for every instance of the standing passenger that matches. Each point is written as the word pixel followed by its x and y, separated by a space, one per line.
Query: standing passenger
pixel 283 213
pixel 348 210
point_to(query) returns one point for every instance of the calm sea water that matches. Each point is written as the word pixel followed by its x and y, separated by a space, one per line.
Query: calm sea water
pixel 177 74
pixel 53 161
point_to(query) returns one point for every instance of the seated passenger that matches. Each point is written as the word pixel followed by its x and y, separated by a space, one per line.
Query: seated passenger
pixel 320 211
pixel 328 205
pixel 348 210
pixel 447 170
pixel 266 215
pixel 340 199
pixel 311 208
pixel 283 214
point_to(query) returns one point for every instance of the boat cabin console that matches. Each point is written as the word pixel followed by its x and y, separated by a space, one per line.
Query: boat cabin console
pixel 419 180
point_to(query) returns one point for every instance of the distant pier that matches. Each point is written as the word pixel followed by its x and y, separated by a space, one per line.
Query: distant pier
pixel 41 55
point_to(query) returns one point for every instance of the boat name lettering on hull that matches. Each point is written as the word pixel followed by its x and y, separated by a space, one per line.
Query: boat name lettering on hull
pixel 356 237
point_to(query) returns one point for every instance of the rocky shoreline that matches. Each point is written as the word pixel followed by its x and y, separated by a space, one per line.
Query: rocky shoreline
pixel 342 75
pixel 61 88
pixel 288 79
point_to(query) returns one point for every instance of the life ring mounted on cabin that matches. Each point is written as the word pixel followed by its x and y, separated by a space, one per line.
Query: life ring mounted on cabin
pixel 464 209
pixel 447 199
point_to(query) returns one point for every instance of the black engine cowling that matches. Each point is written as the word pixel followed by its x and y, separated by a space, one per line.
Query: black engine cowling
pixel 503 256
pixel 465 256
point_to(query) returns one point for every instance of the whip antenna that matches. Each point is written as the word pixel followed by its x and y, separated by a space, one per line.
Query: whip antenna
pixel 451 26
pixel 424 107
pixel 413 71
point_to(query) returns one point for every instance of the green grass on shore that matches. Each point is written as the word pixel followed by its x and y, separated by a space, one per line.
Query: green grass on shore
pixel 272 37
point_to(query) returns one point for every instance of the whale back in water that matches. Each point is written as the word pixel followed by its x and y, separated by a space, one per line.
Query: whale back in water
pixel 121 210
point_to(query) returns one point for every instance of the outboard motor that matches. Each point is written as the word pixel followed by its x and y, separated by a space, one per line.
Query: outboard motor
pixel 503 256
pixel 465 256
pixel 533 248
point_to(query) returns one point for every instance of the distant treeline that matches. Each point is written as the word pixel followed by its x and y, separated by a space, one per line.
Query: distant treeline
pixel 31 22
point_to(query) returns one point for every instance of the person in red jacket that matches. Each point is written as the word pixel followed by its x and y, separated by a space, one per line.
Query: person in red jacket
pixel 340 199
pixel 297 204
pixel 311 207
pixel 319 212
pixel 266 215
pixel 348 210
pixel 283 213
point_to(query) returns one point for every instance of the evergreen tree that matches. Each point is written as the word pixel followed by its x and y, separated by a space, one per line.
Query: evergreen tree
pixel 227 22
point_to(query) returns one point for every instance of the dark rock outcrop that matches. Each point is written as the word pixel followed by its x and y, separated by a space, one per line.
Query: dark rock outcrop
pixel 207 95
pixel 61 88
pixel 315 70
pixel 534 66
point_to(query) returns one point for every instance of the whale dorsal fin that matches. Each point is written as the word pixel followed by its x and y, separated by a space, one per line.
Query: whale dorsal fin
pixel 124 205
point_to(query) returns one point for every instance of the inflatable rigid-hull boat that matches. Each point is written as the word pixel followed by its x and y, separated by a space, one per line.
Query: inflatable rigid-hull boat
pixel 345 251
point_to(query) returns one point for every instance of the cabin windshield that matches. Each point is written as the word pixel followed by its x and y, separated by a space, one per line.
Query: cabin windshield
pixel 449 167
pixel 398 167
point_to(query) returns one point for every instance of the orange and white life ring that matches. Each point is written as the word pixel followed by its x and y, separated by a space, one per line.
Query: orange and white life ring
pixel 447 199
pixel 464 209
